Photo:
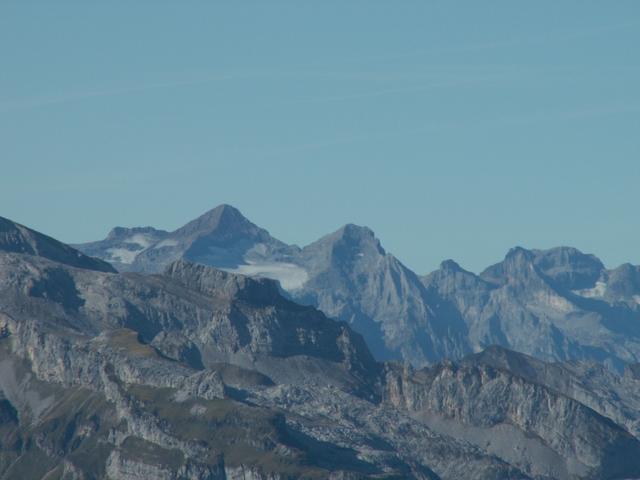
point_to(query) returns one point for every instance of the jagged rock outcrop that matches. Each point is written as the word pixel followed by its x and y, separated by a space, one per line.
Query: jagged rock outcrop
pixel 611 395
pixel 517 419
pixel 550 304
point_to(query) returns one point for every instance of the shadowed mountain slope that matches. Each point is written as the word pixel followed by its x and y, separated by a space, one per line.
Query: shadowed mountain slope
pixel 20 239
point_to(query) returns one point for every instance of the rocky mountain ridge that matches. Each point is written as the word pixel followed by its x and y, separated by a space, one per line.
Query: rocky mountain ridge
pixel 20 239
pixel 203 374
pixel 557 304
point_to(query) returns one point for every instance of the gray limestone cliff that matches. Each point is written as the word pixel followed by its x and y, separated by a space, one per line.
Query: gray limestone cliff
pixel 203 374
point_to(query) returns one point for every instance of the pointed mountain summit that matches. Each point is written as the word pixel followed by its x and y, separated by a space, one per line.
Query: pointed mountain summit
pixel 517 264
pixel 221 237
pixel 223 220
pixel 352 278
pixel 349 244
pixel 356 235
pixel 452 282
pixel 350 235
pixel 17 238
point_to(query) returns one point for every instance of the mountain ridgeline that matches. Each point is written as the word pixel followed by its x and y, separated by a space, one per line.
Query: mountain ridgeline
pixel 198 373
pixel 556 305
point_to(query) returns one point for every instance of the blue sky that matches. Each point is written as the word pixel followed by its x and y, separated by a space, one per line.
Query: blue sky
pixel 452 129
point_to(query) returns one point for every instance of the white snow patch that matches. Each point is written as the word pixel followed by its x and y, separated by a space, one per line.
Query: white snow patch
pixel 122 255
pixel 597 291
pixel 636 298
pixel 139 239
pixel 166 243
pixel 260 249
pixel 290 276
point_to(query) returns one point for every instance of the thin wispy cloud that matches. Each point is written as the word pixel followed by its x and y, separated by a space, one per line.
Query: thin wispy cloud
pixel 558 36
pixel 444 76
pixel 62 98
pixel 70 97
pixel 577 114
pixel 555 37
pixel 436 76
pixel 403 90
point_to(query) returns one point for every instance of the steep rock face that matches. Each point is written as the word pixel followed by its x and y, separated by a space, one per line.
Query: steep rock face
pixel 56 432
pixel 377 430
pixel 353 279
pixel 129 429
pixel 517 420
pixel 165 406
pixel 611 395
pixel 225 317
pixel 262 322
pixel 20 239
pixel 218 283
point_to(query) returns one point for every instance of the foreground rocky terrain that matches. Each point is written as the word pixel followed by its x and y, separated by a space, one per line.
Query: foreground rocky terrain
pixel 556 305
pixel 197 373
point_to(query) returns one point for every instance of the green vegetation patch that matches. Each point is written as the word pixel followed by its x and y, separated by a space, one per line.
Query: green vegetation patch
pixel 128 340
pixel 140 450
pixel 243 434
